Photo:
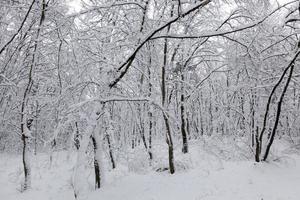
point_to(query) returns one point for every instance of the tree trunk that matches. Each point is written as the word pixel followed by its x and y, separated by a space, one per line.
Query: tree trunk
pixel 26 164
pixel 170 145
pixel 110 152
pixel 183 122
pixel 96 162
pixel 279 105
pixel 77 137
pixel 24 134
pixel 150 115
pixel 166 120
pixel 259 141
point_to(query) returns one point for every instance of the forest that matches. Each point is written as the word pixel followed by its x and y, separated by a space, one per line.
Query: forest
pixel 150 99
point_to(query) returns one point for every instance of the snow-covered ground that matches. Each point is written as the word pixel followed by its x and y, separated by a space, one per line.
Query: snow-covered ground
pixel 200 176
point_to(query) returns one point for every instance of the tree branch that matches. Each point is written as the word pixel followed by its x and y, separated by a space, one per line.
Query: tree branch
pixel 19 29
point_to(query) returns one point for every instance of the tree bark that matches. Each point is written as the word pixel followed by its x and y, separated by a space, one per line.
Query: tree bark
pixel 183 122
pixel 279 105
pixel 150 115
pixel 96 163
pixel 24 136
pixel 113 164
pixel 166 120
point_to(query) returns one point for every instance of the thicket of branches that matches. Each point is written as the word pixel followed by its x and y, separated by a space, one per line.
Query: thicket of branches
pixel 131 73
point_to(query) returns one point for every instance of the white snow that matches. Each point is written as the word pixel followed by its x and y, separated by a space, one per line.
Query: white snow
pixel 200 175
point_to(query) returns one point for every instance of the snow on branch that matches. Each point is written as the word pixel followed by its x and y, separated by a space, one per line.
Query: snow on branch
pixel 107 6
pixel 150 36
pixel 130 59
pixel 207 34
pixel 75 107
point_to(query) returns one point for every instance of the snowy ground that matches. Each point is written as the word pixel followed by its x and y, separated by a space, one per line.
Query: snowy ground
pixel 204 178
